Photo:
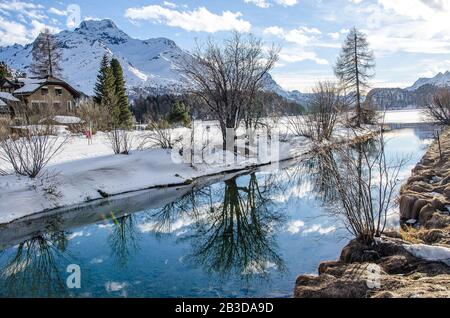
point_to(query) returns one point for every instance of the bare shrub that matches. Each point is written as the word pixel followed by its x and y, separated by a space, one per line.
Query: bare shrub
pixel 323 110
pixel 439 108
pixel 366 183
pixel 296 125
pixel 94 114
pixel 161 134
pixel 4 128
pixel 30 153
pixel 121 141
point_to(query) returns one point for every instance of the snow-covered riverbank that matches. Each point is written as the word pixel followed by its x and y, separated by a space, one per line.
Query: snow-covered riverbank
pixel 83 173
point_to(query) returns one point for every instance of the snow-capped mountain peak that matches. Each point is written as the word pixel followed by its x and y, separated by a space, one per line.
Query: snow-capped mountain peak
pixel 150 66
pixel 440 80
pixel 98 25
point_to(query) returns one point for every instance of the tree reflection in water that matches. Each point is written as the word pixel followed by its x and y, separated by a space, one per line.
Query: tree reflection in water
pixel 33 268
pixel 233 228
pixel 124 239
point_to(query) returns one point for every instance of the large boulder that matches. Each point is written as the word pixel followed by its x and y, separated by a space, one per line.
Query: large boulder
pixel 406 206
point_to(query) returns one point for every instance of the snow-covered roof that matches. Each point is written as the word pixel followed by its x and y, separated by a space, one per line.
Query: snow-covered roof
pixel 8 96
pixel 2 103
pixel 32 84
pixel 68 119
pixel 27 88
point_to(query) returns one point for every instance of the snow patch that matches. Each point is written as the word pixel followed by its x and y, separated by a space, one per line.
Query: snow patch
pixel 429 252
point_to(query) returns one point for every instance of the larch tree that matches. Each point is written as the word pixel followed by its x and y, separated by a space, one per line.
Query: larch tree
pixel 46 55
pixel 354 68
pixel 4 70
pixel 124 113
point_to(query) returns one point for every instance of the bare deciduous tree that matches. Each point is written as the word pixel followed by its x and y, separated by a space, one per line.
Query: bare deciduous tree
pixel 439 108
pixel 354 68
pixel 227 77
pixel 30 153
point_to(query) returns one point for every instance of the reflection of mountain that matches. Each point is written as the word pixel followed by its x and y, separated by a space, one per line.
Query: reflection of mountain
pixel 233 229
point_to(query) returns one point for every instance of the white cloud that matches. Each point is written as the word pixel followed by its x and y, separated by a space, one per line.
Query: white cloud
pixel 12 32
pixel 414 26
pixel 28 9
pixel 335 35
pixel 259 3
pixel 21 22
pixel 303 80
pixel 274 30
pixel 55 11
pixel 266 4
pixel 302 56
pixel 199 20
pixel 170 4
pixel 286 3
pixel 301 35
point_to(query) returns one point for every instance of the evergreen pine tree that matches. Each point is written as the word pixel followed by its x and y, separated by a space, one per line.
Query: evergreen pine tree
pixel 124 116
pixel 105 93
pixel 179 114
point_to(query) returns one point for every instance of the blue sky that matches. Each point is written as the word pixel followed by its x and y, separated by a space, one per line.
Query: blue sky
pixel 410 38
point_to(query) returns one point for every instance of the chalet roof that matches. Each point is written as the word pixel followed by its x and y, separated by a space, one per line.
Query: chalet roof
pixel 2 103
pixel 10 81
pixel 8 97
pixel 30 85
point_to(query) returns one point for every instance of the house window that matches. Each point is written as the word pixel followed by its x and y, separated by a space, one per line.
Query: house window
pixel 58 91
pixel 35 105
pixel 70 105
pixel 57 105
pixel 44 91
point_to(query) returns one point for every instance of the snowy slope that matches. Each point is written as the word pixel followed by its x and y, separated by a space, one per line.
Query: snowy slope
pixel 149 65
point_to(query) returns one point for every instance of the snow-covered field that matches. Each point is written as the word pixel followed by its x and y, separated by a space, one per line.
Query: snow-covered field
pixel 83 172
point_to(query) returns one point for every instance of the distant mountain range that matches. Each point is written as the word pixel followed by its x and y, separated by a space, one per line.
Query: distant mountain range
pixel 149 65
pixel 415 96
